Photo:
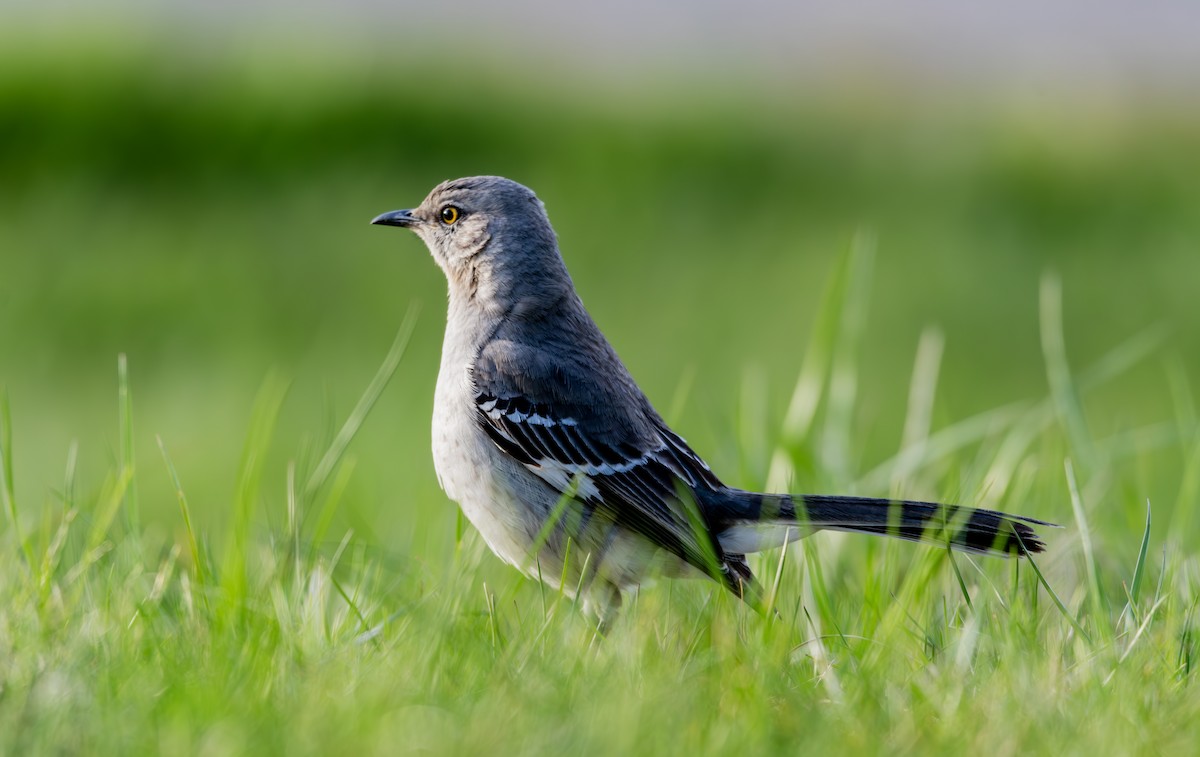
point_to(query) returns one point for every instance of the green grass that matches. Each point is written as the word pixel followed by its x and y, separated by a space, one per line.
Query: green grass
pixel 234 542
pixel 119 638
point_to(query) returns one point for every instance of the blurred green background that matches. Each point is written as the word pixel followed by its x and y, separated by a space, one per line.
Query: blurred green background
pixel 199 201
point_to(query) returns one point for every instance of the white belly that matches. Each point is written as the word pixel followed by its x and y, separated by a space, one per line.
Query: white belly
pixel 494 491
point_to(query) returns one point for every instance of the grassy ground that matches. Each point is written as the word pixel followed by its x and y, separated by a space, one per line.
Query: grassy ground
pixel 984 304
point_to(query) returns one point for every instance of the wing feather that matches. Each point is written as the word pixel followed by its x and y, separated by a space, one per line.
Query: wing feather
pixel 639 486
pixel 574 420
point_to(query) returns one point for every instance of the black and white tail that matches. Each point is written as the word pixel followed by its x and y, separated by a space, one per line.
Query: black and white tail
pixel 966 528
pixel 748 521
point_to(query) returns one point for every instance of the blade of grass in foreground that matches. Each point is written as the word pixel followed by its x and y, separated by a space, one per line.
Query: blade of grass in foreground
pixel 923 388
pixel 1062 389
pixel 329 462
pixel 7 491
pixel 806 397
pixel 843 375
pixel 1050 590
pixel 6 469
pixel 193 545
pixel 108 506
pixel 1099 605
pixel 258 440
pixel 354 422
pixel 329 507
pixel 1139 570
pixel 125 426
pixel 845 290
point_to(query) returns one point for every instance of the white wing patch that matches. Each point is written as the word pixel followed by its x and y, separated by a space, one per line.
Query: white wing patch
pixel 516 416
pixel 563 478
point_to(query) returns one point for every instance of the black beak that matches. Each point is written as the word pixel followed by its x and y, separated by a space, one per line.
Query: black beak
pixel 403 218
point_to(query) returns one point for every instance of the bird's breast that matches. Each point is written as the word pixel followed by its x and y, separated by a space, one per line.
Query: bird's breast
pixel 502 499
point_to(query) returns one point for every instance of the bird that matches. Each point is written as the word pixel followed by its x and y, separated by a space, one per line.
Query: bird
pixel 559 460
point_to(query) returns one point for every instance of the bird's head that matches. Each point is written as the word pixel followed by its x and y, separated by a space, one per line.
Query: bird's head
pixel 485 232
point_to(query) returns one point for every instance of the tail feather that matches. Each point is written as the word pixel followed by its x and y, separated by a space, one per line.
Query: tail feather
pixel 965 528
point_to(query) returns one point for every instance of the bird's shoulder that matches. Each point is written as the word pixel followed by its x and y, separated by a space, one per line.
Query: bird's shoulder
pixel 573 376
pixel 543 401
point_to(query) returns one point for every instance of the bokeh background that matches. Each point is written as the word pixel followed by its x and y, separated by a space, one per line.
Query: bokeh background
pixel 189 184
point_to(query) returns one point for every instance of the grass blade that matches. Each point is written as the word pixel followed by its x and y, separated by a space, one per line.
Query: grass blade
pixel 1062 608
pixel 354 422
pixel 806 397
pixel 109 505
pixel 923 388
pixel 1062 389
pixel 198 563
pixel 7 490
pixel 263 418
pixel 962 584
pixel 843 376
pixel 125 430
pixel 1139 570
pixel 325 516
pixel 6 464
pixel 1089 555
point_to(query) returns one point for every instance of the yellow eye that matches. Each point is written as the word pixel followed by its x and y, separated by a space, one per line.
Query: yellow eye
pixel 449 214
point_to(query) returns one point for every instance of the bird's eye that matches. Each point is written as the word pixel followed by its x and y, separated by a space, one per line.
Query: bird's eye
pixel 449 214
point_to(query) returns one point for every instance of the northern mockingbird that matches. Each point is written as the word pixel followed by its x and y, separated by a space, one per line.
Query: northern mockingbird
pixel 553 452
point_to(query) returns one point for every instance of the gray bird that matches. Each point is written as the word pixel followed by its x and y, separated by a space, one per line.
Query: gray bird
pixel 558 459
